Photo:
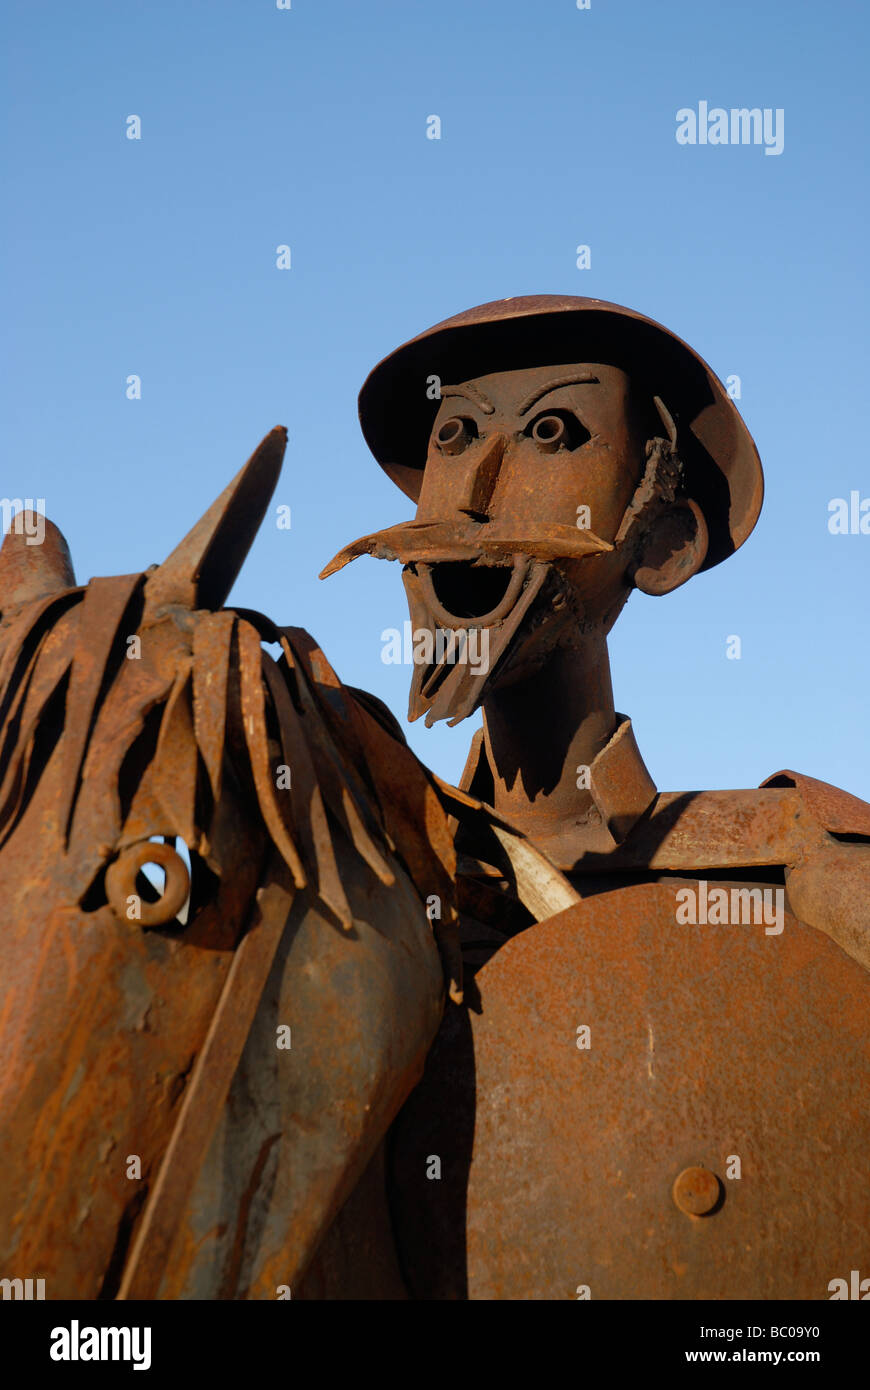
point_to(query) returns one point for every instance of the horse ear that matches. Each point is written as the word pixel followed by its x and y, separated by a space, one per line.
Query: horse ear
pixel 201 570
pixel 34 561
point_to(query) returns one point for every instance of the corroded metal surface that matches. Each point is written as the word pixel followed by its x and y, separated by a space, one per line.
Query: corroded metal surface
pixel 397 415
pixel 705 1044
pixel 202 1078
pixel 129 711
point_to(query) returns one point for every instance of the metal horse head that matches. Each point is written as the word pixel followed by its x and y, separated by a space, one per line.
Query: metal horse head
pixel 138 717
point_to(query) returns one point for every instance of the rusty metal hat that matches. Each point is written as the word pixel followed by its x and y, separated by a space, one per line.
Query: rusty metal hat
pixel 722 468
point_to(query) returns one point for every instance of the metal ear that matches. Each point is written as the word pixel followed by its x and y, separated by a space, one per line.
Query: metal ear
pixel 33 566
pixel 202 569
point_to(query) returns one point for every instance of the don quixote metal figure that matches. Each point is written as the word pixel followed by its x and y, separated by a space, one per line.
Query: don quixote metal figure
pixel 549 1034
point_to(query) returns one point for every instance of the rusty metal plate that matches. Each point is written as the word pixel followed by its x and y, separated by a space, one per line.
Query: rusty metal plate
pixel 707 1044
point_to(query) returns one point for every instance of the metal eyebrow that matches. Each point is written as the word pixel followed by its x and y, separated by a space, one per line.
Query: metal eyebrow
pixel 540 391
pixel 471 393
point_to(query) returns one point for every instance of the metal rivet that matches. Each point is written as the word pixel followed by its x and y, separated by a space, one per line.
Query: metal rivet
pixel 697 1191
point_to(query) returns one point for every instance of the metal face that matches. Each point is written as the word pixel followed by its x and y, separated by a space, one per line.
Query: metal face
pixel 534 465
pixel 528 331
pixel 534 482
pixel 524 451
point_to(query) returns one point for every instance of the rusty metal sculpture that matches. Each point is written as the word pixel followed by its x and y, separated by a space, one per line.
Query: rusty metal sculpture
pixel 217 1089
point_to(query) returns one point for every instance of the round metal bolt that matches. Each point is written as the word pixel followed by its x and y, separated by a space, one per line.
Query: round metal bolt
pixel 697 1191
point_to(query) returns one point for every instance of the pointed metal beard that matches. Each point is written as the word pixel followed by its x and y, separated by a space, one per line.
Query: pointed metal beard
pixel 454 664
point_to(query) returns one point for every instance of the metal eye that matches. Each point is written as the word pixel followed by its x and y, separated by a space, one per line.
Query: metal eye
pixel 558 431
pixel 123 894
pixel 455 434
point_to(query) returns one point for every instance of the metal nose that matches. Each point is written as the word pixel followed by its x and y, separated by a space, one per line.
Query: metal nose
pixel 478 484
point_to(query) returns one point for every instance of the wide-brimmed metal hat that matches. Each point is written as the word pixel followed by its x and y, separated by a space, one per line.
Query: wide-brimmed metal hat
pixel 722 468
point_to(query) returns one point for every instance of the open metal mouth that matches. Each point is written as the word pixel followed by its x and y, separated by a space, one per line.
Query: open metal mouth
pixel 462 592
pixel 465 615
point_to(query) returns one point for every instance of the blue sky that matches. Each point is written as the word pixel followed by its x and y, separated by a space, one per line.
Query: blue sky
pixel 308 127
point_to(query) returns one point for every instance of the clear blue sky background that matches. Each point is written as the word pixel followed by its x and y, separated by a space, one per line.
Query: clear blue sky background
pixel 307 126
